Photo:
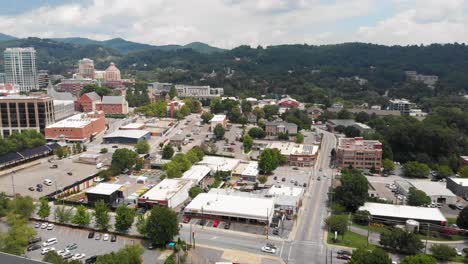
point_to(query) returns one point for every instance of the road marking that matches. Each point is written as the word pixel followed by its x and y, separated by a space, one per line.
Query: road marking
pixel 282 245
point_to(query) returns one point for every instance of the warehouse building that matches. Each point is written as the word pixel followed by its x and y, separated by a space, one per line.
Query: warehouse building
pixel 398 214
pixel 247 171
pixel 108 192
pixel 126 136
pixel 458 186
pixel 437 191
pixel 231 208
pixel 198 174
pixel 219 163
pixel 169 193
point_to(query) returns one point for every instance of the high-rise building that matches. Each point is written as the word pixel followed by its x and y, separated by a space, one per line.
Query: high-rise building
pixel 20 68
pixel 19 112
pixel 43 79
pixel 86 68
pixel 2 77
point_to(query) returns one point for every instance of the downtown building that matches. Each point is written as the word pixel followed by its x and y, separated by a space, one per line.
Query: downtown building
pixel 20 68
pixel 359 153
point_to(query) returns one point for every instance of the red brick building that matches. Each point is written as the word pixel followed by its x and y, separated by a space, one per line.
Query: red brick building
pixel 73 86
pixel 78 128
pixel 359 153
pixel 288 102
pixel 87 102
pixel 113 105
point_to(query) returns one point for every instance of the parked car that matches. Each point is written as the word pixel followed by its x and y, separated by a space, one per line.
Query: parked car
pixel 452 206
pixel 50 227
pixel 343 252
pixel 275 178
pixel 459 252
pixel 186 219
pixel 283 179
pixel 202 222
pixel 460 207
pixel 304 185
pixel 44 225
pixel 46 250
pixel 113 238
pixel 31 189
pixel 105 237
pixel 49 242
pixel 91 234
pixel 37 225
pixel 78 256
pixel 91 260
pixel 34 247
pixel 216 223
pixel 271 245
pixel 39 189
pixel 35 240
pixel 97 237
pixel 345 257
pixel 72 246
pixel 54 166
pixel 115 146
pixel 39 185
pixel 227 225
pixel 67 255
pixel 62 252
pixel 268 250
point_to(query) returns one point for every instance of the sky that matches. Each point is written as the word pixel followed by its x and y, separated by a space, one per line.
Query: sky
pixel 230 23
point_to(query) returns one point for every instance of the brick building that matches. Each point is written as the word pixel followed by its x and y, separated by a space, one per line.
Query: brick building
pixel 288 102
pixel 73 86
pixel 359 153
pixel 78 128
pixel 113 105
pixel 87 102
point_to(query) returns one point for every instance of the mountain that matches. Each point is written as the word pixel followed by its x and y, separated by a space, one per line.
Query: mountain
pixel 125 46
pixel 4 37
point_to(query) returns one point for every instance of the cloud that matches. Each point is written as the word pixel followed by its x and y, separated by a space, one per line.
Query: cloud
pixel 229 23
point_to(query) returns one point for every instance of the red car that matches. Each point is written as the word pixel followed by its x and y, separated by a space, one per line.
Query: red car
pixel 186 219
pixel 216 223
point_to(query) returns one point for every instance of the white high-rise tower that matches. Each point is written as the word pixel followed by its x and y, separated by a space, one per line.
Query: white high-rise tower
pixel 20 68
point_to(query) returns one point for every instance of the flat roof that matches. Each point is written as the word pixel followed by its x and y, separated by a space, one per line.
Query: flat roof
pixel 133 126
pixel 218 118
pixel 290 148
pixel 433 188
pixel 282 190
pixel 232 205
pixel 105 188
pixel 404 211
pixel 196 173
pixel 460 181
pixel 166 189
pixel 219 163
pixel 128 134
pixel 75 121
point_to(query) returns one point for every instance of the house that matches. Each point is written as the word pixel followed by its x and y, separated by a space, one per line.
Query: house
pixel 113 105
pixel 87 102
pixel 218 119
pixel 276 127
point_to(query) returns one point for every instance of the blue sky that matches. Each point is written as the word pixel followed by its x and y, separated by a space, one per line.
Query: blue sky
pixel 229 23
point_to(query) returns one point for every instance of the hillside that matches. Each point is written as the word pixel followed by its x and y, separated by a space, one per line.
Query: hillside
pixel 4 37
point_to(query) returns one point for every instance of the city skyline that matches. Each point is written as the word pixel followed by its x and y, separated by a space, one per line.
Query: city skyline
pixel 230 23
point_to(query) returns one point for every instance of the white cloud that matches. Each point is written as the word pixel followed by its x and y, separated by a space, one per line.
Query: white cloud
pixel 229 23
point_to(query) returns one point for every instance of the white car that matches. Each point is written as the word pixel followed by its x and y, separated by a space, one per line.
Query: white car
pixel 63 252
pixel 49 242
pixel 105 237
pixel 50 226
pixel 459 252
pixel 268 250
pixel 78 256
pixel 47 249
pixel 44 225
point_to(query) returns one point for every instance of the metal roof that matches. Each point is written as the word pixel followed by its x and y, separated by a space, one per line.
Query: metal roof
pixel 404 211
pixel 93 96
pixel 104 188
pixel 136 134
pixel 113 100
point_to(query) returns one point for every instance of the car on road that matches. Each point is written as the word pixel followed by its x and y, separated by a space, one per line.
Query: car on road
pixel 304 185
pixel 31 189
pixel 459 206
pixel 115 146
pixel 283 179
pixel 113 238
pixel 78 256
pixel 216 223
pixel 97 237
pixel 34 247
pixel 44 225
pixel 49 242
pixel 105 237
pixel 37 225
pixel 295 168
pixel 186 219
pixel 318 178
pixel 39 189
pixel 227 225
pixel 344 257
pixel 320 169
pixel 39 185
pixel 91 234
pixel 50 227
pixel 71 246
pixel 268 250
pixel 53 166
pixel 275 178
pixel 47 249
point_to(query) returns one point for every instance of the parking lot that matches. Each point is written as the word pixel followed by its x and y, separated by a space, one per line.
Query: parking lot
pixel 29 177
pixel 291 175
pixel 90 247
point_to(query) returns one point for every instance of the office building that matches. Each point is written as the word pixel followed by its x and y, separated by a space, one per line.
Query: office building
pixel 88 101
pixel 2 77
pixel 20 68
pixel 73 86
pixel 77 128
pixel 86 68
pixel 359 153
pixel 298 155
pixel 198 91
pixel 43 79
pixel 402 105
pixel 168 193
pixel 19 112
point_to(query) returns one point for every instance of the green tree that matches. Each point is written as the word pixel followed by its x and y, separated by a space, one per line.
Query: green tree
pixel 419 259
pixel 161 226
pixel 247 142
pixel 172 170
pixel 54 258
pixel 44 208
pixel 100 90
pixel 101 215
pixel 462 219
pixel 22 206
pixel 81 217
pixel 206 117
pixel 16 239
pixel 172 92
pixel 351 132
pixel 259 113
pixel 361 217
pixel 4 204
pixel 443 252
pixel 182 161
pixel 414 169
pixel 256 132
pixel 338 223
pixel 417 197
pixel 168 152
pixel 402 241
pixel 299 138
pixel 63 214
pixel 388 165
pixel 262 179
pixel 463 172
pixel 268 161
pixel 139 164
pixel 283 136
pixel 353 191
pixel 362 117
pixel 194 191
pixel 444 171
pixel 270 111
pixel 123 158
pixel 246 106
pixel 155 109
pixel 219 131
pixel 130 254
pixel 375 256
pixel 124 218
pixel 142 147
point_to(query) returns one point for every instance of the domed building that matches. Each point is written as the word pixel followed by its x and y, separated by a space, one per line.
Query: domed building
pixel 112 73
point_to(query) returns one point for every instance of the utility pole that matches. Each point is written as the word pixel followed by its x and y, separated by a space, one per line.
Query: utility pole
pixel 427 236
pixel 268 225
pixel 13 183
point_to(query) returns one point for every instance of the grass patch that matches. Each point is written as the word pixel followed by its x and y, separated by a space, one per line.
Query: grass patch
pixel 459 259
pixel 373 228
pixel 442 238
pixel 350 239
pixel 451 220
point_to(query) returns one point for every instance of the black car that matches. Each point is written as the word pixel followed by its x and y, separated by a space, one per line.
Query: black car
pixel 91 260
pixel 284 179
pixel 227 225
pixel 34 247
pixel 202 222
pixel 113 238
pixel 343 252
pixel 31 189
pixel 452 206
pixel 68 256
pixel 304 185
pixel 39 185
pixel 115 146
pixel 34 240
pixel 345 257
pixel 91 234
pixel 39 189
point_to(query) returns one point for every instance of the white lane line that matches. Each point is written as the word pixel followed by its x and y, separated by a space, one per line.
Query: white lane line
pixel 282 245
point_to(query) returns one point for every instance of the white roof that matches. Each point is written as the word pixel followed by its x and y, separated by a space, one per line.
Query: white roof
pixel 251 169
pixel 285 190
pixel 196 173
pixel 290 148
pixel 433 188
pixel 218 118
pixel 219 163
pixel 90 155
pixel 75 121
pixel 166 189
pixel 132 126
pixel 104 188
pixel 232 205
pixel 127 134
pixel 404 211
pixel 460 181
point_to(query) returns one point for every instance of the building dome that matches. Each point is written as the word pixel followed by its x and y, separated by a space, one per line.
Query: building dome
pixel 112 73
